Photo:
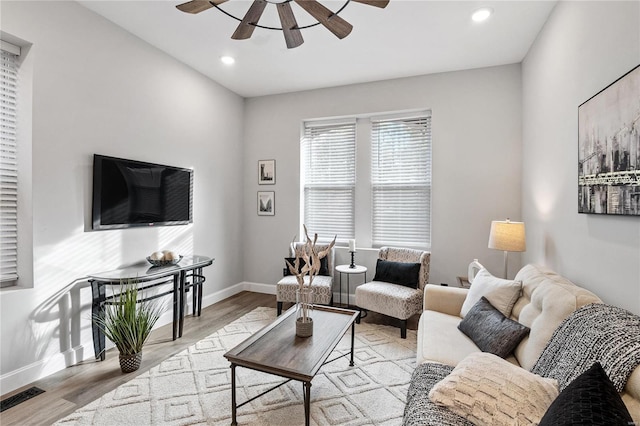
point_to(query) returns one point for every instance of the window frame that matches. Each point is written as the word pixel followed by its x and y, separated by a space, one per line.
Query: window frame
pixel 363 202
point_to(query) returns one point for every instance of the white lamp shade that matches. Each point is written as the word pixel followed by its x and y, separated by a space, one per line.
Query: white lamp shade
pixel 507 236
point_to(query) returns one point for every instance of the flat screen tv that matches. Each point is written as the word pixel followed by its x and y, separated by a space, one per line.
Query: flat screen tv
pixel 129 193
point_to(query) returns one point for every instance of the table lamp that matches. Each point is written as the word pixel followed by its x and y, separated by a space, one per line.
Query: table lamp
pixel 507 236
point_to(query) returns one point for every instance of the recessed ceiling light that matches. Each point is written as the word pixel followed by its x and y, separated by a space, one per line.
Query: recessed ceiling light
pixel 482 14
pixel 227 60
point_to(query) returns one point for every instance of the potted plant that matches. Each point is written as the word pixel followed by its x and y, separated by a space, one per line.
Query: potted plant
pixel 128 322
pixel 304 295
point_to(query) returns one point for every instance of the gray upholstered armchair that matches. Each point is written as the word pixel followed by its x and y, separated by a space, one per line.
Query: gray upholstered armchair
pixel 395 300
pixel 322 284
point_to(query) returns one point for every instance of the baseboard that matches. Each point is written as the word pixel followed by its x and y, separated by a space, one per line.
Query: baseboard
pixel 39 369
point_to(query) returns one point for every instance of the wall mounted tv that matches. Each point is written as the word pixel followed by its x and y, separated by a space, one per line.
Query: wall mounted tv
pixel 129 193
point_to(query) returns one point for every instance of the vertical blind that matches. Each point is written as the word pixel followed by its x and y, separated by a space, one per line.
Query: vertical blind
pixel 401 181
pixel 8 168
pixel 329 178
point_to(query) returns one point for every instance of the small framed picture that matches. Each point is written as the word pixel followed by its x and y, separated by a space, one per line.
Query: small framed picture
pixel 266 203
pixel 266 172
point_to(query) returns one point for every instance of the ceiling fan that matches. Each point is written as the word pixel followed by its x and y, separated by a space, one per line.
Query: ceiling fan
pixel 292 35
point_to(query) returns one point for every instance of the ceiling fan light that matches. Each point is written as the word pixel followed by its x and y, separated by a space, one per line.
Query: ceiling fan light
pixel 482 14
pixel 227 60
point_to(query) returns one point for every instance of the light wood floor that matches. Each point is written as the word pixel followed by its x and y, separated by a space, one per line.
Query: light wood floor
pixel 76 386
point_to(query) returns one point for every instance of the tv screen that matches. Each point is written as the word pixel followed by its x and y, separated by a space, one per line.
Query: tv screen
pixel 130 193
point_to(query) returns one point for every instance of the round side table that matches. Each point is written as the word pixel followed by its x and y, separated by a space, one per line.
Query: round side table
pixel 345 269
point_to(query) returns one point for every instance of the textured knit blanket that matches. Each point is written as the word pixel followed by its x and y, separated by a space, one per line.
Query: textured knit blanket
pixel 420 411
pixel 596 332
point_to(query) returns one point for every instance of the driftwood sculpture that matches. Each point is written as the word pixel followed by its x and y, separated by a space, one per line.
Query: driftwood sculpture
pixel 311 257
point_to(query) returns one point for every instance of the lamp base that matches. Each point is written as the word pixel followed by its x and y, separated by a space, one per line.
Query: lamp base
pixel 352 265
pixel 506 254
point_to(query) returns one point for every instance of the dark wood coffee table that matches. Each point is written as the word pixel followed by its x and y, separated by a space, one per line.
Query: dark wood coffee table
pixel 277 350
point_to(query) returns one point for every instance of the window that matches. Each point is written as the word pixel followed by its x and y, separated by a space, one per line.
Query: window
pixel 386 184
pixel 328 176
pixel 8 165
pixel 401 181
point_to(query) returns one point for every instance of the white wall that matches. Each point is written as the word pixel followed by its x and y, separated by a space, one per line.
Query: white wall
pixel 476 163
pixel 98 89
pixel 583 47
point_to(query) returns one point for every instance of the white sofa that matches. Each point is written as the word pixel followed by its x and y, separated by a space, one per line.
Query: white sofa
pixel 545 301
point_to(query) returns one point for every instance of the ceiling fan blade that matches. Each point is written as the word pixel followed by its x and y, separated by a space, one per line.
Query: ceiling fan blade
pixel 246 27
pixel 197 6
pixel 377 3
pixel 332 22
pixel 292 34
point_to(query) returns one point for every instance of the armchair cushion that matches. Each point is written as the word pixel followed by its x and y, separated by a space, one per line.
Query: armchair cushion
pixel 401 273
pixel 389 299
pixel 322 289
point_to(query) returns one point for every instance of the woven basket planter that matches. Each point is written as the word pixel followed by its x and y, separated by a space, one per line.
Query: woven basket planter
pixel 130 363
pixel 304 328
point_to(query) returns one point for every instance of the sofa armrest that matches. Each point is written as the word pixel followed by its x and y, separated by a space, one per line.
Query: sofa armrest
pixel 447 300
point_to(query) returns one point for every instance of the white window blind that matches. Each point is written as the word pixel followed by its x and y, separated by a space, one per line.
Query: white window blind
pixel 329 178
pixel 401 181
pixel 8 168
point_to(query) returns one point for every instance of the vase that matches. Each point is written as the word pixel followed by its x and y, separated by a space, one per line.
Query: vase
pixel 130 363
pixel 304 308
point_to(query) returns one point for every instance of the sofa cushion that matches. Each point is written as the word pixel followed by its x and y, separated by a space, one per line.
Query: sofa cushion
pixel 547 299
pixel 488 390
pixel 402 273
pixel 439 339
pixel 501 293
pixel 591 399
pixel 490 330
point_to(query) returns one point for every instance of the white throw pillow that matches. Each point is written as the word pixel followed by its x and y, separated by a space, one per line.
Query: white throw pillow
pixel 502 294
pixel 487 390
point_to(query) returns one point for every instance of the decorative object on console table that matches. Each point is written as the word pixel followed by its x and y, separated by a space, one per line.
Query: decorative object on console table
pixel 266 203
pixel 304 296
pixel 266 172
pixel 608 163
pixel 507 236
pixel 128 322
pixel 164 258
pixel 352 250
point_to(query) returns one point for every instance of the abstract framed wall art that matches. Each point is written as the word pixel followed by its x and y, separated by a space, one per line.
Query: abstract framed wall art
pixel 609 149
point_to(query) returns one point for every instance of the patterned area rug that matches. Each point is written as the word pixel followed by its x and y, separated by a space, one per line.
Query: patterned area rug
pixel 193 387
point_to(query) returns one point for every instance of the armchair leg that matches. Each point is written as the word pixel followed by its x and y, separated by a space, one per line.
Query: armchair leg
pixel 403 329
pixel 279 308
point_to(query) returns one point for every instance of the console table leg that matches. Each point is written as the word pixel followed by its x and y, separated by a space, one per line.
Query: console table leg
pixel 307 402
pixel 234 422
pixel 97 307
pixel 182 279
pixel 176 299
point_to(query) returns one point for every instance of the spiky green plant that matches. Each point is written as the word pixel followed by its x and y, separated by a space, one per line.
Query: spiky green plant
pixel 127 322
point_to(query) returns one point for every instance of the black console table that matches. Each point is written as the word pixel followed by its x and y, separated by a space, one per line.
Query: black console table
pixel 184 276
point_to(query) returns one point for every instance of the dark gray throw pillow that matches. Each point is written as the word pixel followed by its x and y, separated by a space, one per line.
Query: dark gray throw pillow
pixel 591 399
pixel 490 330
pixel 402 273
